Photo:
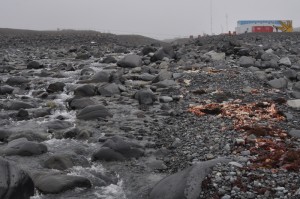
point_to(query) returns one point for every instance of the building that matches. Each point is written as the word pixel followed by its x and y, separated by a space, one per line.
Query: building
pixel 247 26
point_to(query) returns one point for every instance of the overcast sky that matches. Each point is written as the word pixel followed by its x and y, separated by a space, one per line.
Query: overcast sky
pixel 155 18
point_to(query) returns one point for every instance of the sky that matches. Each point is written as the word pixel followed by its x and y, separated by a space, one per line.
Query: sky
pixel 159 19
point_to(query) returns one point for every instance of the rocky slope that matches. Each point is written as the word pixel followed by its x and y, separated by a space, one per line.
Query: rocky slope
pixel 90 115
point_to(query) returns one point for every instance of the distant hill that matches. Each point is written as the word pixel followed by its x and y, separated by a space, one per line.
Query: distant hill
pixel 69 35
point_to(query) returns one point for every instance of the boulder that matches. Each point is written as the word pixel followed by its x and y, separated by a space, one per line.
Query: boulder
pixel 93 112
pixel 14 182
pixel 109 59
pixel 59 162
pixel 109 90
pixel 285 61
pixel 58 125
pixel 246 61
pixel 278 83
pixel 162 75
pixel 145 97
pixel 23 147
pixel 85 91
pixel 166 51
pixel 165 83
pixel 80 103
pixel 17 105
pixel 6 90
pixel 34 65
pixel 269 56
pixel 17 81
pixel 294 133
pixel 185 184
pixel 56 87
pixel 294 103
pixel 102 76
pixel 83 56
pixel 214 56
pixel 53 183
pixel 107 154
pixel 130 61
pixel 148 49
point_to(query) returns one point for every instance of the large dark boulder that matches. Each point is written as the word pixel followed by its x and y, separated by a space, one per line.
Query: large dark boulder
pixel 145 97
pixel 80 103
pixel 130 61
pixel 93 112
pixel 118 149
pixel 17 81
pixel 34 65
pixel 6 90
pixel 14 182
pixel 59 162
pixel 52 182
pixel 185 184
pixel 166 51
pixel 23 147
pixel 56 87
pixel 85 90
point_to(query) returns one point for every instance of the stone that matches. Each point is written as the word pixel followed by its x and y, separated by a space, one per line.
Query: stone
pixel 109 90
pixel 102 76
pixel 83 56
pixel 34 65
pixel 17 105
pixel 80 103
pixel 162 75
pixel 148 49
pixel 184 184
pixel 59 162
pixel 165 83
pixel 269 56
pixel 166 51
pixel 6 90
pixel 146 77
pixel 93 112
pixel 294 103
pixel 165 99
pixel 58 125
pixel 145 97
pixel 294 133
pixel 17 81
pixel 130 61
pixel 85 90
pixel 14 182
pixel 285 61
pixel 23 147
pixel 278 83
pixel 109 60
pixel 107 154
pixel 214 56
pixel 56 87
pixel 53 183
pixel 246 61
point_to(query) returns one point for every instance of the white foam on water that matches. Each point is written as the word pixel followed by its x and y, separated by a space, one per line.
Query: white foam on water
pixel 69 116
pixel 111 192
pixel 86 171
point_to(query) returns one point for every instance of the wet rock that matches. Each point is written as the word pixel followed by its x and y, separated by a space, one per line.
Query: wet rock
pixel 83 56
pixel 59 162
pixel 6 90
pixel 109 59
pixel 85 91
pixel 93 112
pixel 81 103
pixel 17 81
pixel 166 51
pixel 116 149
pixel 109 90
pixel 145 97
pixel 15 183
pixel 165 99
pixel 56 87
pixel 34 65
pixel 269 56
pixel 52 182
pixel 102 76
pixel 278 83
pixel 130 61
pixel 285 61
pixel 184 184
pixel 58 124
pixel 87 72
pixel 23 147
pixel 22 114
pixel 17 105
pixel 41 112
pixel 246 61
pixel 37 136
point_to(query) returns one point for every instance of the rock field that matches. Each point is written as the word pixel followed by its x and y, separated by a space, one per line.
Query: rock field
pixel 90 115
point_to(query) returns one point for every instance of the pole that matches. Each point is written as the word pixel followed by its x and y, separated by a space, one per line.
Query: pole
pixel 211 18
pixel 227 22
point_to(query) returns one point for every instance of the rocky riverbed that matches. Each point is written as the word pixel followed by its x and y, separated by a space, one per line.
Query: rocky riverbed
pixel 92 115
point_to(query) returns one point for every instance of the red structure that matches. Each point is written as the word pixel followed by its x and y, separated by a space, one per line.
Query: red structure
pixel 262 29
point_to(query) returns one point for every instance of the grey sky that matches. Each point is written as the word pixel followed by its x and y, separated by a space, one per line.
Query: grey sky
pixel 155 18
